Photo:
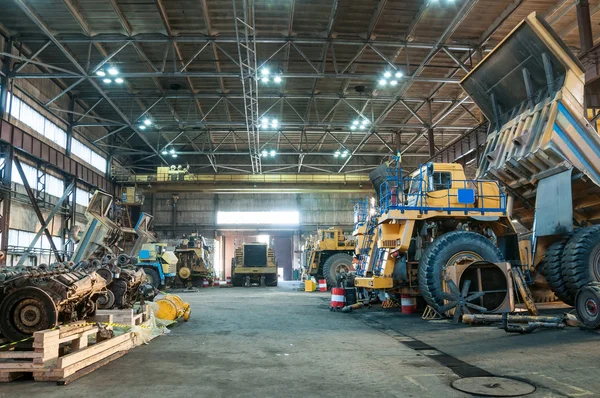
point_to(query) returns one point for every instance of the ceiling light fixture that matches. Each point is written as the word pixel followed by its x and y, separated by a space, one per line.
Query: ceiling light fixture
pixel 118 80
pixel 362 127
pixel 277 79
pixel 147 122
pixel 107 81
pixel 100 73
pixel 273 153
pixel 142 127
pixel 174 155
pixel 164 152
pixel 387 74
pixel 393 82
pixel 264 79
pixel 113 71
pixel 364 122
pixel 398 75
pixel 382 82
pixel 172 151
pixel 336 154
pixel 264 153
pixel 264 71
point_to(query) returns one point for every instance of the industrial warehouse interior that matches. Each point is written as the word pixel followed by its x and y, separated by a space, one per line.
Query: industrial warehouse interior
pixel 299 198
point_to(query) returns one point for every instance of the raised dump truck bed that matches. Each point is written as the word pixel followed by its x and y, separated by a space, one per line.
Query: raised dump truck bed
pixel 540 146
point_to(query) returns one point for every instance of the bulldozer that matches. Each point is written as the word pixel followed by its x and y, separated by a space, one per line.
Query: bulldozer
pixel 327 254
pixel 540 168
pixel 254 263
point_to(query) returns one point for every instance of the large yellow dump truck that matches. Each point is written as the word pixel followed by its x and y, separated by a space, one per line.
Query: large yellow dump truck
pixel 254 263
pixel 543 151
pixel 436 228
pixel 327 254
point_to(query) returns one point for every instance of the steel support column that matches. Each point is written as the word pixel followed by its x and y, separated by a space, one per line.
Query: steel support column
pixel 584 23
pixel 4 80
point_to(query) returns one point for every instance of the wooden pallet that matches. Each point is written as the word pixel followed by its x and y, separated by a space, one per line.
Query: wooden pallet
pixel 128 317
pixel 65 354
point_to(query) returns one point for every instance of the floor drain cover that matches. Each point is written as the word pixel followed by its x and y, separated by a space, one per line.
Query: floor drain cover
pixel 493 386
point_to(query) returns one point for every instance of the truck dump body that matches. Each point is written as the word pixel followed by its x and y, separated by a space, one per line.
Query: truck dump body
pixel 540 146
pixel 255 255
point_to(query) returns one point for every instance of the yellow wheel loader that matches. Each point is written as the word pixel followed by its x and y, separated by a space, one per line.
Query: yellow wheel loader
pixel 328 254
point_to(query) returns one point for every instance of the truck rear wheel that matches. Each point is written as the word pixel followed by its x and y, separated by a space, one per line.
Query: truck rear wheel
pixel 152 277
pixel 333 265
pixel 581 259
pixel 588 305
pixel 552 269
pixel 451 249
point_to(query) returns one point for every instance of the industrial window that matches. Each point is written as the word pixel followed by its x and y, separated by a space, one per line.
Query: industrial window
pixel 441 181
pixel 82 151
pixel 83 197
pixel 54 185
pixel 258 217
pixel 20 238
pixel 26 114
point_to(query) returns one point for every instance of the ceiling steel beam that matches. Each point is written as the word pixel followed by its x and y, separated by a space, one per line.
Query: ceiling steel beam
pixel 42 26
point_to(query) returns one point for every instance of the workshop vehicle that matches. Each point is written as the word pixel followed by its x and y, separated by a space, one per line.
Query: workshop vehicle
pixel 194 261
pixel 433 231
pixel 254 263
pixel 543 151
pixel 159 264
pixel 327 254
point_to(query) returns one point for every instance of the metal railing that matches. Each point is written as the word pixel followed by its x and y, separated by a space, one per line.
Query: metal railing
pixel 395 196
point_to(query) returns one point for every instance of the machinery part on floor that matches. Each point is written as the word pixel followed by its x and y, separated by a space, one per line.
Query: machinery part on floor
pixel 460 301
pixel 320 248
pixel 334 265
pixel 35 300
pixel 452 250
pixel 519 280
pixel 531 326
pixel 106 300
pixel 480 319
pixel 355 306
pixel 552 269
pixel 581 258
pixel 171 307
pixel 430 314
pixel 254 263
pixel 491 386
pixel 587 305
pixel 126 287
pixel 542 294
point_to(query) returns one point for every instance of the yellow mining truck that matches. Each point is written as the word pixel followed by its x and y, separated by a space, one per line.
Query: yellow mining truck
pixel 543 151
pixel 544 154
pixel 327 254
pixel 435 228
pixel 254 263
pixel 194 261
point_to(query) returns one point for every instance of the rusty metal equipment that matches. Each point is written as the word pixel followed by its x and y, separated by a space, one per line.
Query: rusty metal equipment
pixel 39 299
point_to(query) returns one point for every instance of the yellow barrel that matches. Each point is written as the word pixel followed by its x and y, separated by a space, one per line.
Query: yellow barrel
pixel 171 307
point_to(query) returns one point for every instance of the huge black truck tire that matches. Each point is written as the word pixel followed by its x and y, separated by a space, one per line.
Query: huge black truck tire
pixel 333 265
pixel 152 277
pixel 552 269
pixel 581 259
pixel 450 249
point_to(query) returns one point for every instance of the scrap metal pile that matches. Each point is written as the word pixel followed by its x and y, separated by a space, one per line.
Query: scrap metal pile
pixel 97 277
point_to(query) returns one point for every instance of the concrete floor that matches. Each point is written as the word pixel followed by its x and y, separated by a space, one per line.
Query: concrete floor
pixel 277 342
